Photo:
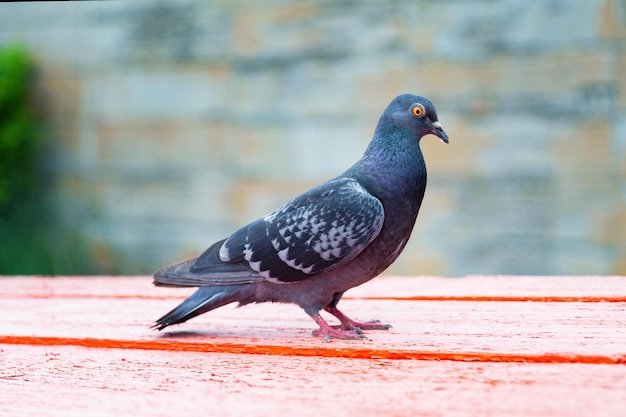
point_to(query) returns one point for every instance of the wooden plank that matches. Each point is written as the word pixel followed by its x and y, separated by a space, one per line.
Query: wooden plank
pixel 514 346
pixel 475 287
pixel 62 381
pixel 585 332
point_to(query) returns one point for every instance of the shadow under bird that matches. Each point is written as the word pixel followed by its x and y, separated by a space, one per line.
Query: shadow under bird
pixel 333 237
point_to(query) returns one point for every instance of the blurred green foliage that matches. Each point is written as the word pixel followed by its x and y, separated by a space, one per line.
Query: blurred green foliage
pixel 31 241
pixel 18 132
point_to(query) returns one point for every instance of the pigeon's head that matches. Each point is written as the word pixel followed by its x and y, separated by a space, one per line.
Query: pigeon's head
pixel 415 115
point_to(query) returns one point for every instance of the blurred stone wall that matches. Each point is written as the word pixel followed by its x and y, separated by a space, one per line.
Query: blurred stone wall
pixel 170 124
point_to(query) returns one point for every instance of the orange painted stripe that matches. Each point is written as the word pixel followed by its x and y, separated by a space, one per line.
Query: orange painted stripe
pixel 316 351
pixel 505 298
pixel 473 298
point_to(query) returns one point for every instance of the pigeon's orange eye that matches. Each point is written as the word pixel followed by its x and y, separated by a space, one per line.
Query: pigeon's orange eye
pixel 418 110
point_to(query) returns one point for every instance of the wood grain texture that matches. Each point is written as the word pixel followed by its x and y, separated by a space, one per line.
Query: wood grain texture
pixel 469 346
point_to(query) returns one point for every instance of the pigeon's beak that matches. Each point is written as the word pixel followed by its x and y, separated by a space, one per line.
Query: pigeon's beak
pixel 438 131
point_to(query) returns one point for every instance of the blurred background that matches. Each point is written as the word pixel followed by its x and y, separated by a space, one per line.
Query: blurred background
pixel 136 133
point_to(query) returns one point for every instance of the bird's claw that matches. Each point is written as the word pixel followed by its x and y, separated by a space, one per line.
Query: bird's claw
pixel 337 332
pixel 370 325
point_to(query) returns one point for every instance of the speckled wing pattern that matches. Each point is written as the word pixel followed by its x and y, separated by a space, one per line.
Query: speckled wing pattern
pixel 315 232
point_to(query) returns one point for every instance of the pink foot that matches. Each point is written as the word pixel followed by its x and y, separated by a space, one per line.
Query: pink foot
pixel 329 332
pixel 348 324
pixel 332 332
pixel 370 325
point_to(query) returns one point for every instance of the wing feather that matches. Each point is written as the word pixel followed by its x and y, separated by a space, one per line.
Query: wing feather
pixel 207 269
pixel 314 233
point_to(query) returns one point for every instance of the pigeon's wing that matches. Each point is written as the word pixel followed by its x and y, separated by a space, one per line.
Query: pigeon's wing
pixel 319 230
pixel 207 269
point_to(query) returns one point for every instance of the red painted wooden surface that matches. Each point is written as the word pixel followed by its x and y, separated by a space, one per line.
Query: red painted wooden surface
pixel 484 345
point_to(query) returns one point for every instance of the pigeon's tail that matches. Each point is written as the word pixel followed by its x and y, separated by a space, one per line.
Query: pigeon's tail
pixel 204 299
pixel 220 283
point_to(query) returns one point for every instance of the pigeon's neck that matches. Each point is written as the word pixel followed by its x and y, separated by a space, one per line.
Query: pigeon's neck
pixel 393 170
pixel 393 166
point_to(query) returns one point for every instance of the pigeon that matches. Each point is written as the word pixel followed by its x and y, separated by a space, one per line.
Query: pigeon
pixel 332 238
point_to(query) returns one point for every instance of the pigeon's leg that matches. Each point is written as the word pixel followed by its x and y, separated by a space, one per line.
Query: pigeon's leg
pixel 329 332
pixel 348 324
